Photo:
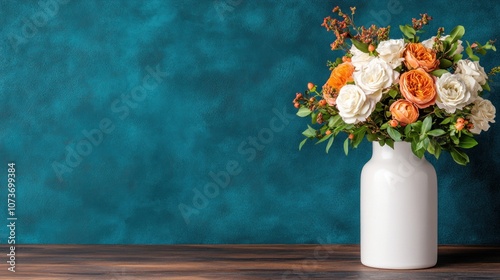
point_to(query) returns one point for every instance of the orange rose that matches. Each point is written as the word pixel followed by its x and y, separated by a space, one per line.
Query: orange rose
pixel 404 112
pixel 329 95
pixel 418 56
pixel 341 75
pixel 418 87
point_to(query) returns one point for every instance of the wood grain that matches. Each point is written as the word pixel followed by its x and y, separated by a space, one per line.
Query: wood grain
pixel 233 262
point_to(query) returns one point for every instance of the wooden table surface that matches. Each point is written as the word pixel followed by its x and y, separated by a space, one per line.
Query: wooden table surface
pixel 233 262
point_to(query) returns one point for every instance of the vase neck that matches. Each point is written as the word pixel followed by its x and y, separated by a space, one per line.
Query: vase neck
pixel 401 149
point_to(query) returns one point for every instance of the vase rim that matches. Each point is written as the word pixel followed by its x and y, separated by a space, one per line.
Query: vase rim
pixel 401 148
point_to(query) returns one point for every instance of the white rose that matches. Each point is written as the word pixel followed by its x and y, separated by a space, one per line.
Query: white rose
pixel 391 51
pixel 472 68
pixel 472 86
pixel 482 114
pixel 359 58
pixel 452 93
pixel 353 104
pixel 374 77
pixel 429 43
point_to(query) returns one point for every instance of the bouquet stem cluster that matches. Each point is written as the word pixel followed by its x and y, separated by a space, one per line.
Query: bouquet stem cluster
pixel 420 91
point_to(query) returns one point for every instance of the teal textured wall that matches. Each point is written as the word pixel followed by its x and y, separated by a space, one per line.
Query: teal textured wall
pixel 120 115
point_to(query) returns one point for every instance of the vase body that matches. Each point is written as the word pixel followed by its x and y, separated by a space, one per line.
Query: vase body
pixel 398 209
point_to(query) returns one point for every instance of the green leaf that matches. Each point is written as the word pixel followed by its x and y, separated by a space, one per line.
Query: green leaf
pixel 390 143
pixel 459 156
pixel 417 126
pixel 408 31
pixel 438 113
pixel 431 148
pixel 455 139
pixel 436 132
pixel 309 132
pixel 486 87
pixel 426 125
pixel 467 142
pixel 381 142
pixel 371 137
pixel 335 121
pixel 439 72
pixel 393 93
pixel 329 145
pixel 346 146
pixel 427 142
pixel 456 34
pixel 452 49
pixel 314 117
pixel 360 46
pixel 445 63
pixel 302 143
pixel 446 45
pixel 359 136
pixel 447 120
pixel 437 152
pixel 470 53
pixel 457 57
pixel 417 152
pixel 325 138
pixel 304 112
pixel 384 126
pixel 423 144
pixel 408 129
pixel 395 135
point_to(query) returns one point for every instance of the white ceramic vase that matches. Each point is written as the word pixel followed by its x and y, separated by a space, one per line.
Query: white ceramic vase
pixel 398 209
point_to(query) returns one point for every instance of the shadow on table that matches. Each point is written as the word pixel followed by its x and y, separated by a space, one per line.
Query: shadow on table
pixel 468 255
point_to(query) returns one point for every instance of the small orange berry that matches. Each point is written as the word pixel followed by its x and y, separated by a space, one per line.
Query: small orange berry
pixel 460 120
pixel 346 59
pixel 351 136
pixel 322 102
pixel 371 48
pixel 298 95
pixel 459 126
pixel 296 105
pixel 312 99
pixel 328 132
pixel 310 86
pixel 393 123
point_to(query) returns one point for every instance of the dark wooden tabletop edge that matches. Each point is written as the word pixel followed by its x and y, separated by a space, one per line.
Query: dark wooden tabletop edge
pixel 230 245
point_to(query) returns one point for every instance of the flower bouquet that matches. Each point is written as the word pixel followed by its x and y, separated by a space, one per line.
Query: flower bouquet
pixel 423 92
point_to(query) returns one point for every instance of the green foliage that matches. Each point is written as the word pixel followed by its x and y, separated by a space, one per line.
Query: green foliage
pixel 408 32
pixel 395 135
pixel 456 34
pixel 439 72
pixel 304 112
pixel 361 46
pixel 329 145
